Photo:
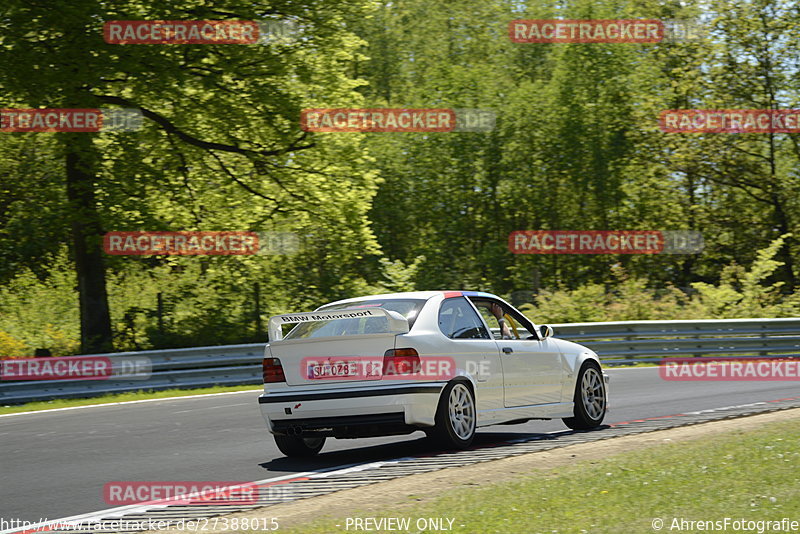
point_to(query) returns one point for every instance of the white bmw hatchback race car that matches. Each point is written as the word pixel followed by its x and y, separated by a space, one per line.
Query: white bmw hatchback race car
pixel 445 362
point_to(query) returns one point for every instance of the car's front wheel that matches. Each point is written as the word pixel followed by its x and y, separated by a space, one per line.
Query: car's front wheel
pixel 590 398
pixel 456 417
pixel 297 447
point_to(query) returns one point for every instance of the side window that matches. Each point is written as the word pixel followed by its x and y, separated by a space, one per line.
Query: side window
pixel 502 321
pixel 490 319
pixel 457 320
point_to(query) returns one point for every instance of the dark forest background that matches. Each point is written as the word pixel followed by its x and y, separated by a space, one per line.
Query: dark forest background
pixel 576 147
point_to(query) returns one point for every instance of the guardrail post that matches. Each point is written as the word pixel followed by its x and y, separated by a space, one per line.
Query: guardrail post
pixel 763 335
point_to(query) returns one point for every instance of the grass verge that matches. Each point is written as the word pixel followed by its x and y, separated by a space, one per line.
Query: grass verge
pixel 742 475
pixel 119 397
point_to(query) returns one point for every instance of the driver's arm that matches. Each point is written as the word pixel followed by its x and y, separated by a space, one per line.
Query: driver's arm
pixel 497 311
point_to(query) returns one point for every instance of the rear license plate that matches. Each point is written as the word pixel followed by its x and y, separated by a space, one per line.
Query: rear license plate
pixel 332 370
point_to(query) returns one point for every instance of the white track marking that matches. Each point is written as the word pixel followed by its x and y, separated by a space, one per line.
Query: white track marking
pixel 214 407
pixel 194 397
pixel 51 410
pixel 119 512
pixel 726 408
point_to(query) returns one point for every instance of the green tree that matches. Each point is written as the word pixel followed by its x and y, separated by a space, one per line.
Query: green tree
pixel 222 137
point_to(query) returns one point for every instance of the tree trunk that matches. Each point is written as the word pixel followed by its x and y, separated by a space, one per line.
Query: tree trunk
pixel 785 254
pixel 87 239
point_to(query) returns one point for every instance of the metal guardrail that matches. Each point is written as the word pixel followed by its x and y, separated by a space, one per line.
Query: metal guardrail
pixel 615 342
pixel 225 365
pixel 625 342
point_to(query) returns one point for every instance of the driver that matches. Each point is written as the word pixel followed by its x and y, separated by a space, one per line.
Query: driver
pixel 497 311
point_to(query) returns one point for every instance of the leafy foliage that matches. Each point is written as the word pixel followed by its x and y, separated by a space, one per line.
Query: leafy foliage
pixel 576 146
pixel 741 293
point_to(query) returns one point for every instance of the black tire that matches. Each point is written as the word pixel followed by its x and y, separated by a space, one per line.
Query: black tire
pixel 296 447
pixel 590 398
pixel 455 428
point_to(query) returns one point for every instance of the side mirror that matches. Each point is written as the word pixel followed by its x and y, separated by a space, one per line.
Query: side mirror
pixel 545 331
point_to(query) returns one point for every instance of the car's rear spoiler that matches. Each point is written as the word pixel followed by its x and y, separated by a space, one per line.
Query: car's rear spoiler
pixel 397 323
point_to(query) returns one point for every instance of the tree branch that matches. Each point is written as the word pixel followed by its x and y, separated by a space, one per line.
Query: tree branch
pixel 169 127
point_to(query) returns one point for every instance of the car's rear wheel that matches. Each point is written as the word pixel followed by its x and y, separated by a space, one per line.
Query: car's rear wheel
pixel 297 447
pixel 589 399
pixel 456 417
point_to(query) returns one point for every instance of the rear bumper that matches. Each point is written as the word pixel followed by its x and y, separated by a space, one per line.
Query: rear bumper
pixel 350 412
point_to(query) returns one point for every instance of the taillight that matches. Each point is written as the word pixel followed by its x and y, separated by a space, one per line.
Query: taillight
pixel 401 362
pixel 272 370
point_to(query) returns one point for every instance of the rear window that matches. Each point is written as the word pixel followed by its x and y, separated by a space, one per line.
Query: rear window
pixel 408 308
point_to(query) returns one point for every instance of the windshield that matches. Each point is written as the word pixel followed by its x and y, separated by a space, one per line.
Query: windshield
pixel 408 308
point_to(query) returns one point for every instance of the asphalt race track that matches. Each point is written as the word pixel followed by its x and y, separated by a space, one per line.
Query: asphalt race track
pixel 54 464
